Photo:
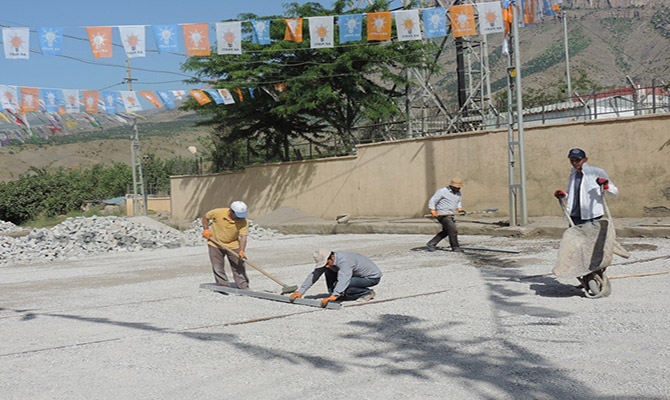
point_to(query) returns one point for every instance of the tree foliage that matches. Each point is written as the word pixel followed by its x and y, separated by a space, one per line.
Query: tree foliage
pixel 327 91
pixel 40 193
pixel 554 92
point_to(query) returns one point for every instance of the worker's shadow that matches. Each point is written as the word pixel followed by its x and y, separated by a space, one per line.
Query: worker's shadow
pixel 547 286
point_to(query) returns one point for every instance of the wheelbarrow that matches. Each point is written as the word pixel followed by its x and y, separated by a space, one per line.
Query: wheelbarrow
pixel 586 251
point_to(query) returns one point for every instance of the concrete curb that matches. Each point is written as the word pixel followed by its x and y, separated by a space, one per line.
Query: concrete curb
pixel 549 227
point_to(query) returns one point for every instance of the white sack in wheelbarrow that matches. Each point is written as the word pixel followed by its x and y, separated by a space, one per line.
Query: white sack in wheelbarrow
pixel 587 248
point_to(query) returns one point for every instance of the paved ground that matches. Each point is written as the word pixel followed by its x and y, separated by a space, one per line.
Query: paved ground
pixel 480 325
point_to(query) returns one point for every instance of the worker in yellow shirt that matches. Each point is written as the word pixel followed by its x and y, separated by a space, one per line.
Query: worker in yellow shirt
pixel 229 227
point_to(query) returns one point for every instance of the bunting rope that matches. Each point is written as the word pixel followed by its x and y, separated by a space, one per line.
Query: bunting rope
pixel 410 24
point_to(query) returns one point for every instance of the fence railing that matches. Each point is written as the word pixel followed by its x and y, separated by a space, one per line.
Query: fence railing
pixel 608 104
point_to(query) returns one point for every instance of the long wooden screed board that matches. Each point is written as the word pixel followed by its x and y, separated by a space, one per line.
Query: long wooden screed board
pixel 269 296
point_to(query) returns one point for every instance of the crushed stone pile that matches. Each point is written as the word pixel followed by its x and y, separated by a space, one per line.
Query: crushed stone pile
pixel 79 237
pixel 7 227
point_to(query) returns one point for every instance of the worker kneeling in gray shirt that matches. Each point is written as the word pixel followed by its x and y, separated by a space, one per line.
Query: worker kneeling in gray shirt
pixel 349 276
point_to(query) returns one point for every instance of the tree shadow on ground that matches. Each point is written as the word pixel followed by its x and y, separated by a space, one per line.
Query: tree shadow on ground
pixel 230 339
pixel 486 364
pixel 433 355
pixel 543 285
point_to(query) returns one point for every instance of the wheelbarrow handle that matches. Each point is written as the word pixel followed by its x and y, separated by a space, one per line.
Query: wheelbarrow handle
pixel 561 201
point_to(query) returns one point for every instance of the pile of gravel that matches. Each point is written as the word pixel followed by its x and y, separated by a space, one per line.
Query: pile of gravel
pixel 79 237
pixel 8 227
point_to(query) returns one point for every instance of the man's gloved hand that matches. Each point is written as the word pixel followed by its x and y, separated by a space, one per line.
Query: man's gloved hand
pixel 559 194
pixel 206 234
pixel 242 255
pixel 604 182
pixel 295 295
pixel 433 213
pixel 461 211
pixel 325 301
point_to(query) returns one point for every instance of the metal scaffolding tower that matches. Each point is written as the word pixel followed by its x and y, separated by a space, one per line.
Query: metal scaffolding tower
pixel 474 87
pixel 474 101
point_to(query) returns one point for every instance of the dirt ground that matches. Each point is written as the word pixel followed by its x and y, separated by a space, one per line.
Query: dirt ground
pixel 479 325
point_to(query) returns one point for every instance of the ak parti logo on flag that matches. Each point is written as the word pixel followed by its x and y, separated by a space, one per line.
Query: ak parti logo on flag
pixel 462 20
pixel 30 99
pixel 293 30
pixel 379 26
pixel 133 38
pixel 17 42
pixel 100 38
pixel 196 39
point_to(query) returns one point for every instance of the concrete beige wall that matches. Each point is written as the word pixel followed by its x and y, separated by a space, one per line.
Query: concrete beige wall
pixel 395 179
pixel 157 204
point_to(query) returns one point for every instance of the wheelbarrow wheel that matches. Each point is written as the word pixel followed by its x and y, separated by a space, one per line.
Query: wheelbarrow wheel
pixel 595 288
pixel 596 285
pixel 606 288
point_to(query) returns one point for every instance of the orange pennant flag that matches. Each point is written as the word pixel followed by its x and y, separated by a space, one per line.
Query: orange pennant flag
pixel 462 20
pixel 91 98
pixel 239 94
pixel 293 30
pixel 280 87
pixel 151 98
pixel 379 25
pixel 529 11
pixel 100 38
pixel 30 100
pixel 196 39
pixel 200 96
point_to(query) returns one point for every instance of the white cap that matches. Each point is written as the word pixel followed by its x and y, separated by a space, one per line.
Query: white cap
pixel 239 208
pixel 321 257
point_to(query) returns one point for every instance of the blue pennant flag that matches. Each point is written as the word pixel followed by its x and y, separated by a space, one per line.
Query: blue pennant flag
pixel 434 22
pixel 351 27
pixel 216 96
pixel 110 99
pixel 167 98
pixel 261 31
pixel 51 40
pixel 167 38
pixel 52 99
pixel 548 11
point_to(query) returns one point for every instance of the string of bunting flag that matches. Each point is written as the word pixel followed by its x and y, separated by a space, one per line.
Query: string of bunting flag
pixel 411 24
pixel 228 35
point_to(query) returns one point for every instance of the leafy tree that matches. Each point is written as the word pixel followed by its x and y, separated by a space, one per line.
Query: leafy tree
pixel 41 193
pixel 328 91
pixel 554 92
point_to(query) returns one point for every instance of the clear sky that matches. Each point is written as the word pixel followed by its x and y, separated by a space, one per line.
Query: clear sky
pixel 78 69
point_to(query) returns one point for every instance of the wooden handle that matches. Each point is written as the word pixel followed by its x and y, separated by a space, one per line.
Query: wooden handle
pixel 244 260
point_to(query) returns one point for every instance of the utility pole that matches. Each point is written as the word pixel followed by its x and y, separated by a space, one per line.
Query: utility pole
pixel 567 54
pixel 517 190
pixel 139 207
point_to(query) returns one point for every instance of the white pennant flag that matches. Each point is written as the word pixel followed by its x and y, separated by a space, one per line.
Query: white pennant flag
pixel 17 42
pixel 321 32
pixel 227 97
pixel 408 25
pixel 134 40
pixel 71 97
pixel 130 101
pixel 229 37
pixel 490 18
pixel 9 98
